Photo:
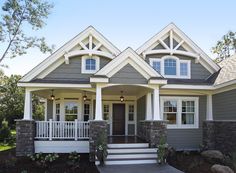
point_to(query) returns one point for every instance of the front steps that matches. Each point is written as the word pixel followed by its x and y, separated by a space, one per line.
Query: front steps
pixel 132 153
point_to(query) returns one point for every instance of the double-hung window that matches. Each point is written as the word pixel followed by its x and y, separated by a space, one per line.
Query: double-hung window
pixel 90 64
pixel 170 67
pixel 71 111
pixel 181 112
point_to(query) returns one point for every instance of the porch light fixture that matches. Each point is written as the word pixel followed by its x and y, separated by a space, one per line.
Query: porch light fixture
pixel 52 96
pixel 84 97
pixel 122 97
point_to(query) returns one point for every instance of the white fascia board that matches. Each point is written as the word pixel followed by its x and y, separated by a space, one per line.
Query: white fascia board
pixel 65 48
pixel 98 80
pixel 177 86
pixel 157 81
pixel 53 85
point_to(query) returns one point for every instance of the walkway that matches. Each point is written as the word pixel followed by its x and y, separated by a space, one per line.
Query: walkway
pixel 145 168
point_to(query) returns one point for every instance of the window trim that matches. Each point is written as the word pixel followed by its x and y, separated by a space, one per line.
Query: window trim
pixel 178 61
pixel 83 64
pixel 179 100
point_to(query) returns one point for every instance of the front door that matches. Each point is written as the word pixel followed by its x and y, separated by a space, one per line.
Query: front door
pixel 118 122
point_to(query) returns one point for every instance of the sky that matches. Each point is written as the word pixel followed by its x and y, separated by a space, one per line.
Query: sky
pixel 129 23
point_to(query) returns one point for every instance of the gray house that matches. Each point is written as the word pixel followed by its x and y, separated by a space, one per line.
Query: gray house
pixel 167 88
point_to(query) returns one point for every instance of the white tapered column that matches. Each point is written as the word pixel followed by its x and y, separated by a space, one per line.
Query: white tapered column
pixel 209 115
pixel 28 105
pixel 98 108
pixel 156 104
pixel 149 106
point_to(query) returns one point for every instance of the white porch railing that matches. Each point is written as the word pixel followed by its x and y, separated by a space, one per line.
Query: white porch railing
pixel 62 130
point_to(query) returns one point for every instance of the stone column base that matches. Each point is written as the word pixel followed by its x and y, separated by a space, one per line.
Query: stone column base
pixel 25 133
pixel 95 129
pixel 153 131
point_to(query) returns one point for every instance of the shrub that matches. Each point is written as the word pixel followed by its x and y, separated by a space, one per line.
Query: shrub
pixel 43 160
pixel 5 132
pixel 73 159
pixel 162 151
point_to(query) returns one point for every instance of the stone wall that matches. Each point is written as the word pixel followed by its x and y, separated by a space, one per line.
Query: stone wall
pixel 25 133
pixel 95 129
pixel 220 135
pixel 153 131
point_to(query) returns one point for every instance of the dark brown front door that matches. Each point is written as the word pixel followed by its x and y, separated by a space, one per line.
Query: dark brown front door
pixel 118 123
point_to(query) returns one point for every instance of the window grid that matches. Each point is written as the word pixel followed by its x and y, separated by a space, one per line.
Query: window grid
pixel 71 111
pixel 106 112
pixel 170 111
pixel 90 64
pixel 170 66
pixel 188 111
pixel 58 111
pixel 184 69
pixel 131 112
pixel 86 112
pixel 157 66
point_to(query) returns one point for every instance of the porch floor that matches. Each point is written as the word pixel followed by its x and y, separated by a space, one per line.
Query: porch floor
pixel 124 140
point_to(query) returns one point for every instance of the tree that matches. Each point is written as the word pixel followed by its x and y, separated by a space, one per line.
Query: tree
pixel 17 16
pixel 225 47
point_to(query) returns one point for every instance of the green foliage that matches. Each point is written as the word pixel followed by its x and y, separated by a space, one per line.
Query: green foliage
pixel 73 159
pixel 162 151
pixel 5 132
pixel 43 160
pixel 38 109
pixel 101 148
pixel 17 15
pixel 225 47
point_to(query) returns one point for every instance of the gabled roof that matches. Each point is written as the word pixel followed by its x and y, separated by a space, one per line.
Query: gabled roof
pixel 128 56
pixel 193 51
pixel 227 72
pixel 90 34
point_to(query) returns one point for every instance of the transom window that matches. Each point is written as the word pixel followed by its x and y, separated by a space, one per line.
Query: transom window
pixel 90 64
pixel 181 112
pixel 170 66
pixel 71 111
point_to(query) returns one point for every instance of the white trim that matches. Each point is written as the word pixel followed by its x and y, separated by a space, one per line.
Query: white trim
pixel 178 62
pixel 98 106
pixel 149 114
pixel 98 80
pixel 83 64
pixel 128 56
pixel 179 100
pixel 89 53
pixel 54 85
pixel 156 104
pixel 68 46
pixel 212 67
pixel 179 86
pixel 28 105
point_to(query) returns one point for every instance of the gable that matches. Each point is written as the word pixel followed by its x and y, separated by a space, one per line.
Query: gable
pixel 128 75
pixel 171 40
pixel 89 42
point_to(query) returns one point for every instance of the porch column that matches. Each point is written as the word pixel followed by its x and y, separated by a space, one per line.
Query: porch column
pixel 28 105
pixel 156 104
pixel 209 112
pixel 149 106
pixel 98 107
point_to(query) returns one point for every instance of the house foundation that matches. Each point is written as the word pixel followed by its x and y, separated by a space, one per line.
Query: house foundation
pixel 25 133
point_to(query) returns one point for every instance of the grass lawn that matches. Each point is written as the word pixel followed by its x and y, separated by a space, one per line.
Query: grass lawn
pixel 4 146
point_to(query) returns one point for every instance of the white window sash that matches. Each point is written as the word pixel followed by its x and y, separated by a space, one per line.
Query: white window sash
pixel 83 64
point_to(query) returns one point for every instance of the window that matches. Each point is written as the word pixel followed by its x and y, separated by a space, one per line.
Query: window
pixel 106 112
pixel 187 112
pixel 170 111
pixel 131 113
pixel 86 112
pixel 181 112
pixel 170 66
pixel 90 64
pixel 71 111
pixel 57 111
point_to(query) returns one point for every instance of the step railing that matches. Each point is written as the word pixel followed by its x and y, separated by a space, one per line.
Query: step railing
pixel 59 130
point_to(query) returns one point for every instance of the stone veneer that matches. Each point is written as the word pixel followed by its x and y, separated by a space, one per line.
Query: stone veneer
pixel 95 128
pixel 220 135
pixel 25 133
pixel 153 131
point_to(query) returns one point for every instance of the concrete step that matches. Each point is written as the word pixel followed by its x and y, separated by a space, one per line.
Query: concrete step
pixel 131 150
pixel 131 156
pixel 128 162
pixel 131 145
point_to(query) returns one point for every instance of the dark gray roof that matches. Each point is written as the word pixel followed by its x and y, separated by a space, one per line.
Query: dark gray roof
pixel 189 81
pixel 227 72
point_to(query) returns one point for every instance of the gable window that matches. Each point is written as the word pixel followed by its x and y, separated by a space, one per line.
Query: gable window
pixel 90 64
pixel 181 112
pixel 170 66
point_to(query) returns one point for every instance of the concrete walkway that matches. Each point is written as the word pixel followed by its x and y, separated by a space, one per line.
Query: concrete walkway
pixel 145 168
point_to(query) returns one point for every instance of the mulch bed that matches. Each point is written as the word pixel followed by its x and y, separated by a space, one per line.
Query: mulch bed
pixel 190 162
pixel 10 163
